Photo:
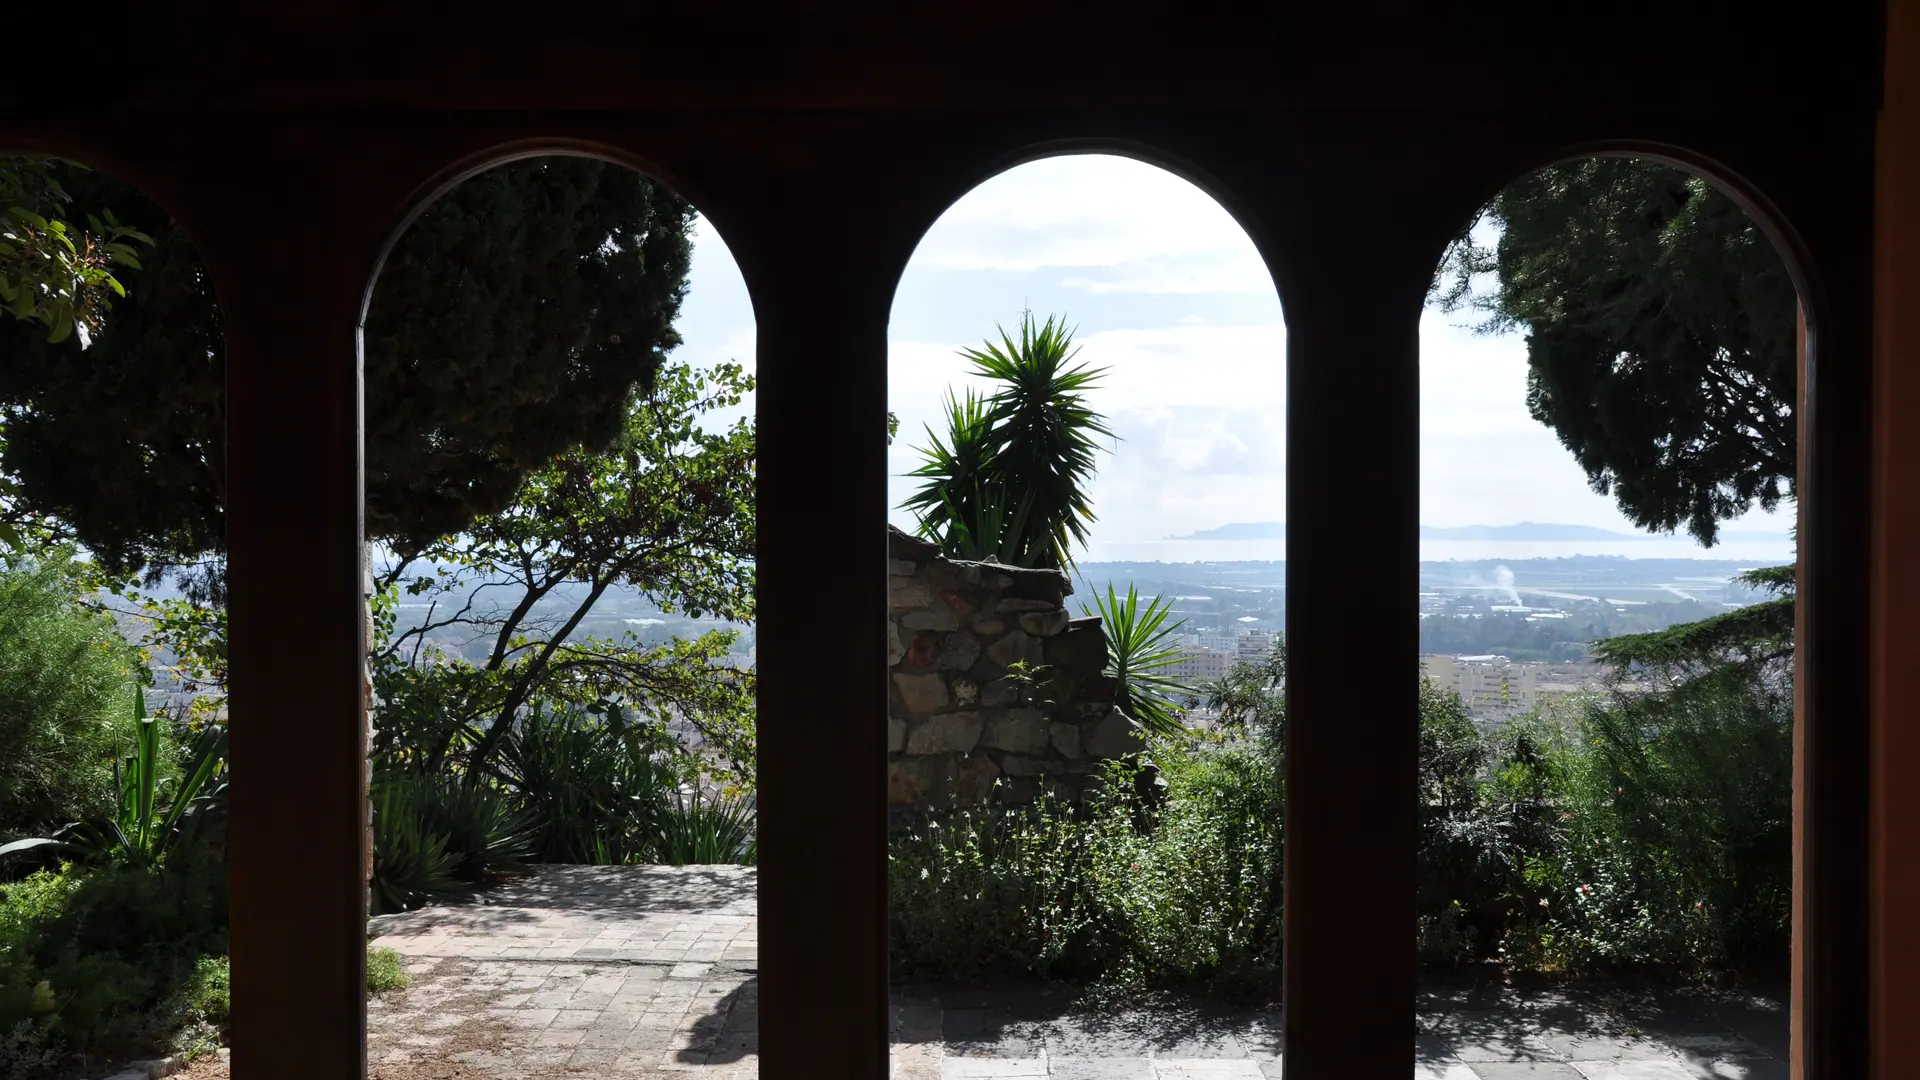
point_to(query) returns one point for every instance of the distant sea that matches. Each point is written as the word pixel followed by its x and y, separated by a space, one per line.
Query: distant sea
pixel 1757 552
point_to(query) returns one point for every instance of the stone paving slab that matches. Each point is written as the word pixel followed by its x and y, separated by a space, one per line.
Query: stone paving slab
pixel 652 972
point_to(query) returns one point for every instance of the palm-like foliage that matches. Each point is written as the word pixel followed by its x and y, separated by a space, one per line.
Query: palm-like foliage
pixel 1010 479
pixel 956 470
pixel 1139 651
pixel 158 817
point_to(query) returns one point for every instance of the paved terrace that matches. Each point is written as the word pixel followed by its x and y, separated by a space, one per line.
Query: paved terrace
pixel 650 972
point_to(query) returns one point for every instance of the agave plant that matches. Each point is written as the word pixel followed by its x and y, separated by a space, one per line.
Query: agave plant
pixel 158 818
pixel 589 786
pixel 1139 651
pixel 411 863
pixel 702 830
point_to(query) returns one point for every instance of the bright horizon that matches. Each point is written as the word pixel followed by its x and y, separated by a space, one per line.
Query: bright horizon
pixel 1170 296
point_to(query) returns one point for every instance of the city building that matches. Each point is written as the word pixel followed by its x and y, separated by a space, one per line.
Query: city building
pixel 1492 687
pixel 1200 664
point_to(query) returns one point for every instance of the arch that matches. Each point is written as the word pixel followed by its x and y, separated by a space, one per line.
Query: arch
pixel 932 203
pixel 450 176
pixel 1767 214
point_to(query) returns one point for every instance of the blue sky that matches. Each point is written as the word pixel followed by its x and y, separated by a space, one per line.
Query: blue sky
pixel 1169 294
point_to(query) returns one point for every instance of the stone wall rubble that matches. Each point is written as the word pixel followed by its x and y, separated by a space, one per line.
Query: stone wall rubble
pixel 957 721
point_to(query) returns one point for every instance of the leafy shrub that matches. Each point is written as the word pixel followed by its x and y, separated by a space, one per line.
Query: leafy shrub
pixel 1648 831
pixel 591 786
pixel 411 863
pixel 160 817
pixel 384 970
pixel 107 960
pixel 65 674
pixel 209 993
pixel 1678 849
pixel 1183 888
pixel 702 830
pixel 487 838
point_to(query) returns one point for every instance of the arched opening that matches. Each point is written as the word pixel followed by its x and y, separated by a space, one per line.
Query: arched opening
pixel 113 866
pixel 1087 493
pixel 560 461
pixel 1610 372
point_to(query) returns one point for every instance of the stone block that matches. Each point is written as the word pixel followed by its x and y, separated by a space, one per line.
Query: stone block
pixel 899 567
pixel 1016 646
pixel 1066 739
pixel 989 627
pixel 948 574
pixel 1017 606
pixel 896 735
pixel 966 692
pixel 1020 731
pixel 895 648
pixel 973 777
pixel 922 649
pixel 921 693
pixel 903 545
pixel 1113 736
pixel 1036 584
pixel 999 694
pixel 905 594
pixel 1044 623
pixel 960 601
pixel 947 733
pixel 917 781
pixel 958 651
pixel 1016 765
pixel 1082 649
pixel 939 618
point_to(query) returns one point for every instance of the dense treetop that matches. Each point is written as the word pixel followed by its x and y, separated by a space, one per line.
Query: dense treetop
pixel 1660 334
pixel 515 320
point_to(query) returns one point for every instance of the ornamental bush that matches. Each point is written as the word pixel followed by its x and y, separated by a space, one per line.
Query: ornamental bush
pixel 66 700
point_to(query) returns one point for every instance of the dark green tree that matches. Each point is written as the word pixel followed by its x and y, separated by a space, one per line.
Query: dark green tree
pixel 1660 334
pixel 513 321
pixel 120 445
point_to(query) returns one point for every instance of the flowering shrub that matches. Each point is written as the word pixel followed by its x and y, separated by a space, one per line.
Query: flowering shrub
pixel 1648 833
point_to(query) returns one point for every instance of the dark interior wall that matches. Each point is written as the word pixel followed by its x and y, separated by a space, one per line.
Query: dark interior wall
pixel 822 144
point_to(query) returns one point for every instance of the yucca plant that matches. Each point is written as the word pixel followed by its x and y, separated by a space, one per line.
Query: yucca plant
pixel 988 532
pixel 1011 477
pixel 1043 437
pixel 703 830
pixel 955 470
pixel 1140 648
pixel 158 817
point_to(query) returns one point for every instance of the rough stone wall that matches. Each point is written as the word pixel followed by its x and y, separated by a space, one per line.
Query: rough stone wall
pixel 956 722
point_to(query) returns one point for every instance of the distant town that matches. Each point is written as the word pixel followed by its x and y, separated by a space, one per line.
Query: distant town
pixel 1507 635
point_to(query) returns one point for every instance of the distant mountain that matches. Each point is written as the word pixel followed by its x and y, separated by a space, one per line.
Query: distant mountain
pixel 1240 530
pixel 1525 531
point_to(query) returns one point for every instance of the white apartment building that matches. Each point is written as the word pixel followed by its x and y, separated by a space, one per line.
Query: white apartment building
pixel 1198 663
pixel 1492 687
pixel 1253 645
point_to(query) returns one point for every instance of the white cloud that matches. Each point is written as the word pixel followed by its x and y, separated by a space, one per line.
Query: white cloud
pixel 1151 231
